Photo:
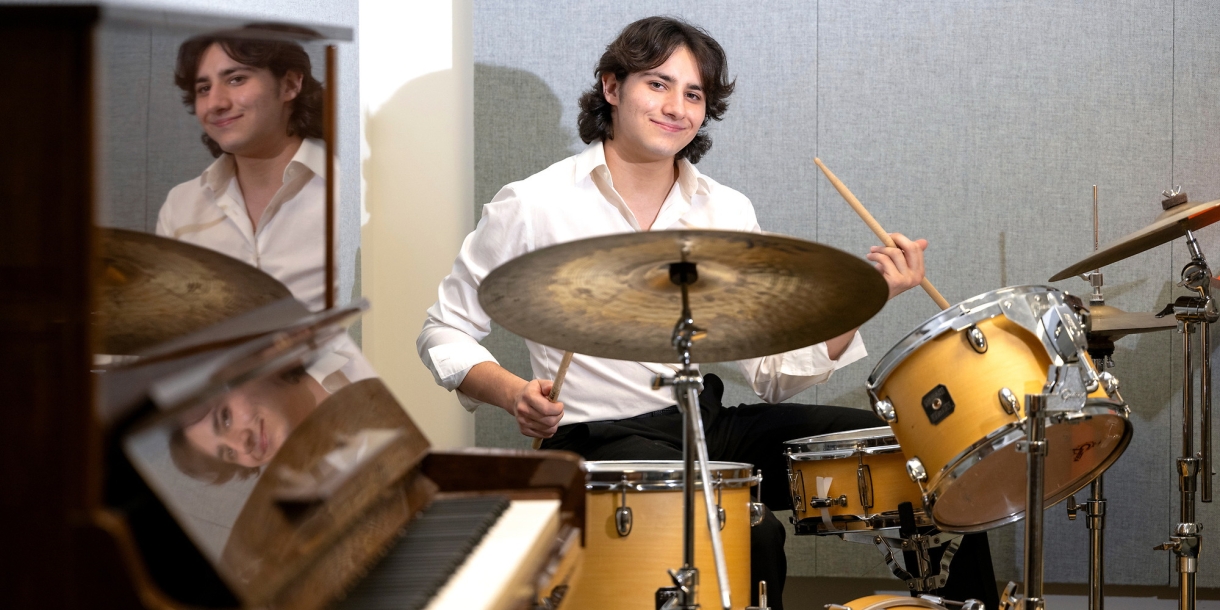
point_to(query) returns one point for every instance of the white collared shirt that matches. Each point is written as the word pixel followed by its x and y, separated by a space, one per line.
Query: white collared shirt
pixel 288 243
pixel 209 211
pixel 575 199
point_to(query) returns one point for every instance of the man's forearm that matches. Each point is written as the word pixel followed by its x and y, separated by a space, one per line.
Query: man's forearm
pixel 835 347
pixel 493 384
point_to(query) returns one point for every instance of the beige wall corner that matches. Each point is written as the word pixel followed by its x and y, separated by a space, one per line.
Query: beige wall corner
pixel 417 124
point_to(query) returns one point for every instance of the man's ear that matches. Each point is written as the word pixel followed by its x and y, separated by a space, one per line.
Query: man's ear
pixel 610 88
pixel 290 85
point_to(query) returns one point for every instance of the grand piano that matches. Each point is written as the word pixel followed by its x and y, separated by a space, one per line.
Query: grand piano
pixel 116 487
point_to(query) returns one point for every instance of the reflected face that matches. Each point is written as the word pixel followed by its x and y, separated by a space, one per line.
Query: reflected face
pixel 252 423
pixel 244 109
pixel 659 111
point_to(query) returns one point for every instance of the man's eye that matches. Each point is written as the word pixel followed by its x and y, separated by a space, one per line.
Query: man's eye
pixel 202 91
pixel 237 80
pixel 230 455
pixel 226 418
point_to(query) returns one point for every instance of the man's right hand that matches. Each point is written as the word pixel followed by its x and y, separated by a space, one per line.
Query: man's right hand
pixel 536 415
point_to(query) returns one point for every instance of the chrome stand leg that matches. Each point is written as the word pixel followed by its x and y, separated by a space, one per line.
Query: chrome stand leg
pixel 1096 521
pixel 1035 448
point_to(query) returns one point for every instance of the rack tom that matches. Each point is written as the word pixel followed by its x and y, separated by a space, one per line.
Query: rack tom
pixel 952 393
pixel 634 533
pixel 864 472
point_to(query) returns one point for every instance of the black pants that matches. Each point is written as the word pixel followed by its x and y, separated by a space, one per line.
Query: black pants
pixel 755 434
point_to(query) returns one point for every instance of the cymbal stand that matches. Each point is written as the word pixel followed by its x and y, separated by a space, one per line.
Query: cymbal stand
pixel 1193 313
pixel 687 384
pixel 1100 349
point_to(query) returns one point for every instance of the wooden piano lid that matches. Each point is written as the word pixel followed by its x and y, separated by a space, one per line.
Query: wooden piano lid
pixel 335 494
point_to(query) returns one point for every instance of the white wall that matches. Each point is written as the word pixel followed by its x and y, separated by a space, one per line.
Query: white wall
pixel 416 90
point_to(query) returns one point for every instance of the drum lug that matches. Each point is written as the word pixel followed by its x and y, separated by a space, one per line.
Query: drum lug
pixel 756 508
pixel 796 486
pixel 622 515
pixel 885 410
pixel 864 480
pixel 1009 401
pixel 977 339
pixel 622 520
pixel 916 471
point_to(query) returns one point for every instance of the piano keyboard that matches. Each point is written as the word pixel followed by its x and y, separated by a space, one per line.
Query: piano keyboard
pixel 471 553
pixel 434 545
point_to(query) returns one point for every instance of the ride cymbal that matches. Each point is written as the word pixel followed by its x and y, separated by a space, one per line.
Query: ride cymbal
pixel 150 289
pixel 611 296
pixel 1170 225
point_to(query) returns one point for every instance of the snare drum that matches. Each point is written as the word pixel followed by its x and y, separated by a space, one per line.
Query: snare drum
pixel 634 533
pixel 887 602
pixel 868 481
pixel 952 390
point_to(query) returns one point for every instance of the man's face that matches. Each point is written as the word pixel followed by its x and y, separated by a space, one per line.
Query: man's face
pixel 244 109
pixel 657 112
pixel 250 425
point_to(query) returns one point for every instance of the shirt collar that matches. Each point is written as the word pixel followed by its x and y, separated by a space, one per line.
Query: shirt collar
pixel 311 156
pixel 594 157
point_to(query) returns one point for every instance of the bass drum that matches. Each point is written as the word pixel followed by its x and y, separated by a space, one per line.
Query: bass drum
pixel 633 533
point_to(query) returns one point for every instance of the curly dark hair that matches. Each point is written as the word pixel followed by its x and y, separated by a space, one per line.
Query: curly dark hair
pixel 280 56
pixel 642 46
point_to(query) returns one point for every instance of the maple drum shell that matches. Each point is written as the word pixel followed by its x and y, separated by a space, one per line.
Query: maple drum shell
pixel 626 571
pixel 867 471
pixel 946 393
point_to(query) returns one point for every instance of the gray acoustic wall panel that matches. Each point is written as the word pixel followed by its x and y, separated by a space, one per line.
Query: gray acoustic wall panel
pixel 979 126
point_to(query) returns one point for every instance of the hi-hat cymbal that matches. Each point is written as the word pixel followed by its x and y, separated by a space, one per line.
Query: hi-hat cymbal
pixel 611 296
pixel 1170 225
pixel 151 289
pixel 1114 323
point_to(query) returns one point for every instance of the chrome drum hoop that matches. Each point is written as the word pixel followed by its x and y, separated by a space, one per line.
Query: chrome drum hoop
pixel 1015 432
pixel 663 475
pixel 836 445
pixel 1033 308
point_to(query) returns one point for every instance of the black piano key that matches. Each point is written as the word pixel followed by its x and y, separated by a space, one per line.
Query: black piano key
pixel 427 554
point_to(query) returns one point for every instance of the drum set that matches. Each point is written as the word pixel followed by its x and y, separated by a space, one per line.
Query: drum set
pixel 995 408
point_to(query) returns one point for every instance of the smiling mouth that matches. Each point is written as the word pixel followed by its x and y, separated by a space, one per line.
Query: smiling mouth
pixel 668 127
pixel 225 122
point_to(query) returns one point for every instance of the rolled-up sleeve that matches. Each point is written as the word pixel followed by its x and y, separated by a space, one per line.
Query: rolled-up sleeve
pixel 781 376
pixel 448 344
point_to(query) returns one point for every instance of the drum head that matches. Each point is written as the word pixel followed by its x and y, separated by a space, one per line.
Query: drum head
pixel 892 602
pixel 842 444
pixel 987 490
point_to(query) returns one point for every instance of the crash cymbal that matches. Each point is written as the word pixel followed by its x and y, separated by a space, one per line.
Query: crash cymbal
pixel 1170 225
pixel 151 289
pixel 611 296
pixel 1114 323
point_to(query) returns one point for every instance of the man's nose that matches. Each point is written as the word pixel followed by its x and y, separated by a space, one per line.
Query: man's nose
pixel 218 100
pixel 674 105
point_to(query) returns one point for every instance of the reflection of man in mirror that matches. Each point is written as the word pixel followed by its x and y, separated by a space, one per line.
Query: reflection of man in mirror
pixel 243 430
pixel 263 201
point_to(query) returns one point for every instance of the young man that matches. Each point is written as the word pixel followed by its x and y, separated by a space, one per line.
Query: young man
pixel 659 83
pixel 263 201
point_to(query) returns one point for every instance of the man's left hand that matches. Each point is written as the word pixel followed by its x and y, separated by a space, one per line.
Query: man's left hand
pixel 902 267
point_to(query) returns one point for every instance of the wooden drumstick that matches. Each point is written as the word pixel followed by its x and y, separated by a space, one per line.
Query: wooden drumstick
pixel 563 371
pixel 876 227
pixel 554 395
